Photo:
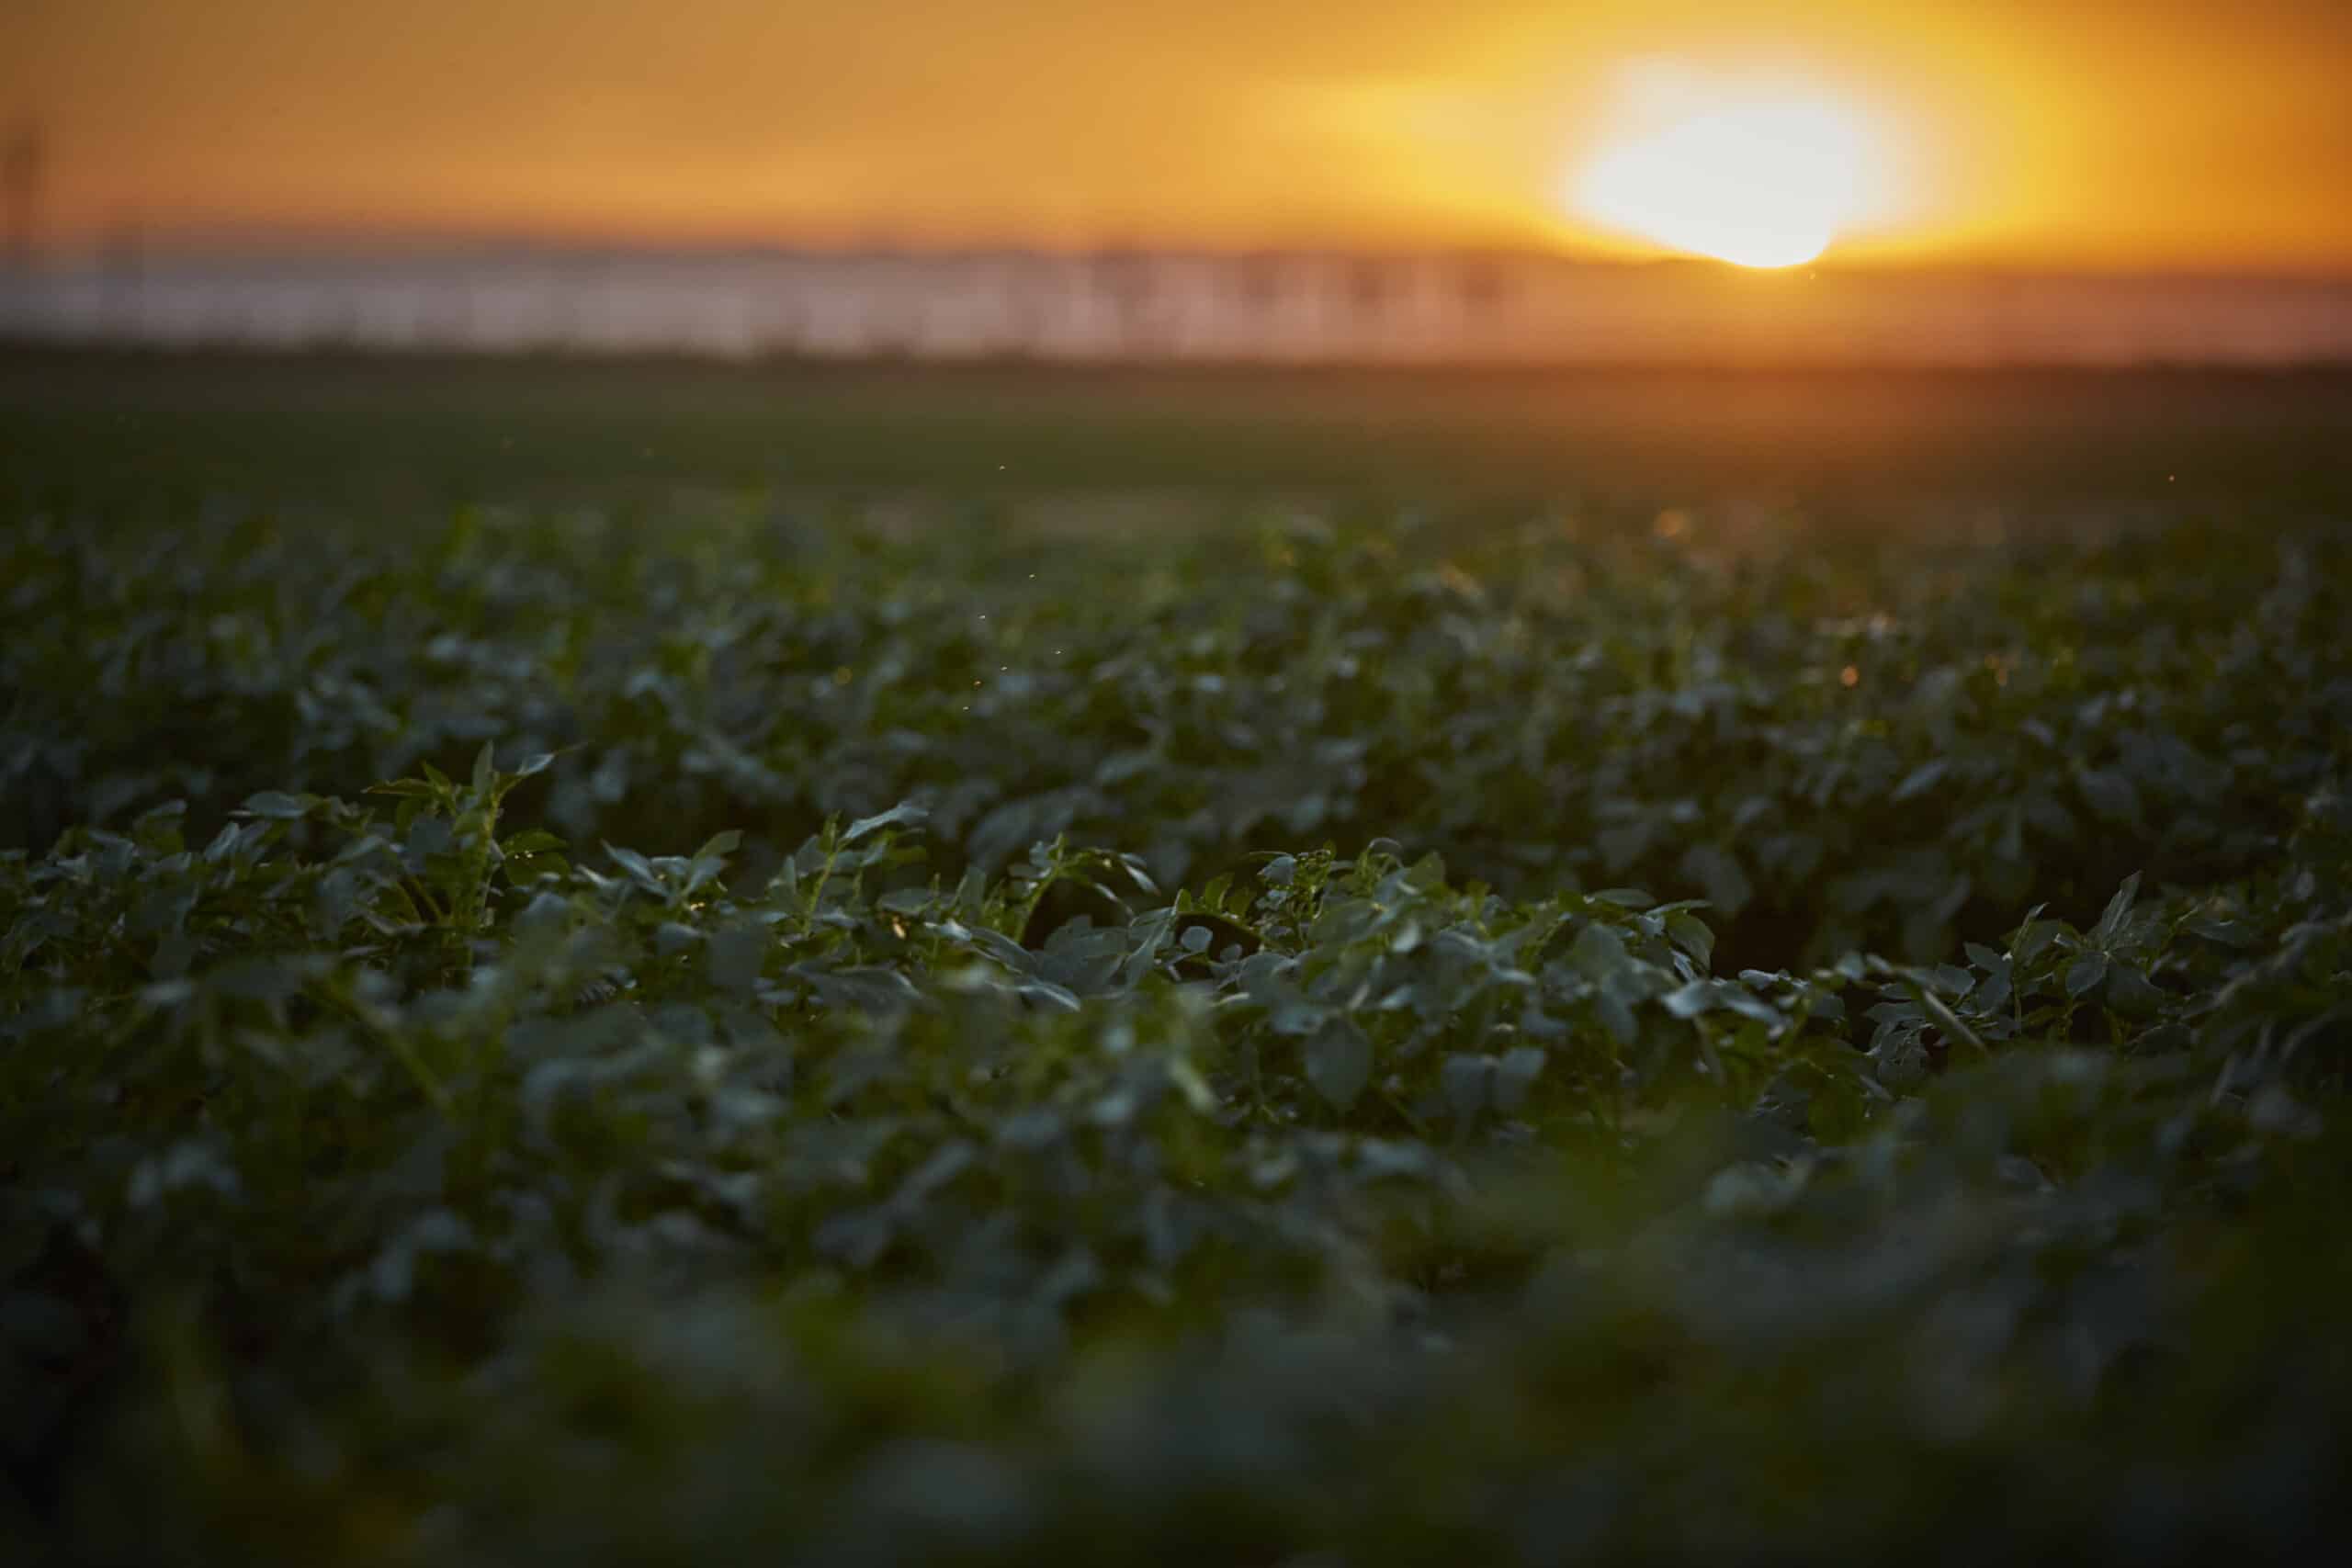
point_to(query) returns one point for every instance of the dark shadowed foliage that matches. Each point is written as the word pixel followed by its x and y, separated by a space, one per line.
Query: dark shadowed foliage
pixel 541 1033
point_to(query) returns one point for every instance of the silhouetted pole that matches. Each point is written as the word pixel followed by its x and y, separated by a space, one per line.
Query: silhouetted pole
pixel 20 172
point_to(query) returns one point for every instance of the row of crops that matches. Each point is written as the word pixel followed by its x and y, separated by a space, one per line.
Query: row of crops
pixel 1333 1039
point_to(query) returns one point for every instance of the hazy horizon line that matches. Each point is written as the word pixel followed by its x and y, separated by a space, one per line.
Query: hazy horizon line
pixel 263 242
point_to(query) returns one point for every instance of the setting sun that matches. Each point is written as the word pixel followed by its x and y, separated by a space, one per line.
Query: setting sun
pixel 1762 177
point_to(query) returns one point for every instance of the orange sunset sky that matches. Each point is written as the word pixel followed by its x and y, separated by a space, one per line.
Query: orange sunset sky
pixel 2108 133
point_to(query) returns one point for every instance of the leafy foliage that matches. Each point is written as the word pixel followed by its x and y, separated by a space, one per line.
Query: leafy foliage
pixel 1658 1045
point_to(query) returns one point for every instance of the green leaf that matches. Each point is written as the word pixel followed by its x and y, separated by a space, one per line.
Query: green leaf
pixel 1940 1012
pixel 639 869
pixel 1922 779
pixel 278 806
pixel 1691 999
pixel 2084 975
pixel 1598 952
pixel 2118 911
pixel 1693 936
pixel 1621 846
pixel 733 957
pixel 1514 1075
pixel 1617 1016
pixel 2131 993
pixel 1718 871
pixel 2110 794
pixel 2228 934
pixel 906 814
pixel 1338 1061
pixel 1465 1078
pixel 524 870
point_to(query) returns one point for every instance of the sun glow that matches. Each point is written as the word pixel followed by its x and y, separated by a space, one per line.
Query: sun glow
pixel 1759 177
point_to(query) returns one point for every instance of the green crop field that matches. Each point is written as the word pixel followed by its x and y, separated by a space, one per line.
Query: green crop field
pixel 157 432
pixel 656 963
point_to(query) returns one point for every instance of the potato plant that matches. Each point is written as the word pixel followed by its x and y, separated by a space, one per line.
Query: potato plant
pixel 556 1037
